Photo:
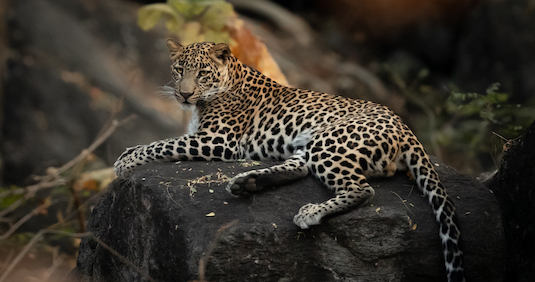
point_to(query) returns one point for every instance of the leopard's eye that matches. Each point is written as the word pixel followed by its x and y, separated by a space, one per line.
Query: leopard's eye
pixel 203 73
pixel 179 70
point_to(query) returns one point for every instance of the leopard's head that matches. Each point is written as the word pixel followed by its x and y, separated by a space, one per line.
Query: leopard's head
pixel 199 70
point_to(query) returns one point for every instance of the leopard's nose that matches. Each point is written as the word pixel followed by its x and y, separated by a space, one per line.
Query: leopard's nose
pixel 186 94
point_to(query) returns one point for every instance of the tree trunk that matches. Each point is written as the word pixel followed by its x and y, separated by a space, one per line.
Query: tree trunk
pixel 514 187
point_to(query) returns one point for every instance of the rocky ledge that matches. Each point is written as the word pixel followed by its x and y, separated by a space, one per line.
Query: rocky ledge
pixel 164 217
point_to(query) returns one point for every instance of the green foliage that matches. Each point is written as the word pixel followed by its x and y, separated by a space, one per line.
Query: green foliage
pixel 192 20
pixel 466 130
pixel 475 120
pixel 9 199
pixel 492 110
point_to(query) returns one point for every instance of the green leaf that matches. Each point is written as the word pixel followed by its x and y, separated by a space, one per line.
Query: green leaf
pixel 458 97
pixel 150 15
pixel 471 108
pixel 487 114
pixel 174 24
pixel 180 6
pixel 191 33
pixel 188 9
pixel 497 98
pixel 217 36
pixel 217 15
pixel 9 200
pixel 493 88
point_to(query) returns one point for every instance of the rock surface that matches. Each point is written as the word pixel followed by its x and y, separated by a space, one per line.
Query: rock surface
pixel 513 186
pixel 160 221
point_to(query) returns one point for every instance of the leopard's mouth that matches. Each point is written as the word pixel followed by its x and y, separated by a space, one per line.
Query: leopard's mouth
pixel 187 102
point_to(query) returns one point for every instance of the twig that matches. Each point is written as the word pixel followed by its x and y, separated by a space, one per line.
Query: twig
pixel 12 192
pixel 77 204
pixel 57 260
pixel 113 112
pixel 169 195
pixel 402 201
pixel 21 255
pixel 26 218
pixel 11 207
pixel 204 259
pixel 412 188
pixel 45 183
pixel 74 213
pixel 32 189
pixel 113 126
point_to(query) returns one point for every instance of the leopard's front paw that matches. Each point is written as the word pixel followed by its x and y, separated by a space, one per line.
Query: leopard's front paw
pixel 243 184
pixel 123 170
pixel 127 162
pixel 308 215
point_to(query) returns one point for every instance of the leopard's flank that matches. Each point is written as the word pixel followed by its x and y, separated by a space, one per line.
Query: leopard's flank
pixel 238 113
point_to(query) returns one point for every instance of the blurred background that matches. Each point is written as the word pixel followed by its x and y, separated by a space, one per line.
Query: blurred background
pixel 81 79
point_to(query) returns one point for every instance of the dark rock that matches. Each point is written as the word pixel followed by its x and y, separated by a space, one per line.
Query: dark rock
pixel 153 221
pixel 513 186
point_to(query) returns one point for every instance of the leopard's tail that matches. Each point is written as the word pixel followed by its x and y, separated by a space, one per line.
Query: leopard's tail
pixel 424 173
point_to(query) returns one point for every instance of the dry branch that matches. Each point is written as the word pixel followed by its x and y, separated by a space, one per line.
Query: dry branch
pixel 27 217
pixel 42 232
pixel 53 178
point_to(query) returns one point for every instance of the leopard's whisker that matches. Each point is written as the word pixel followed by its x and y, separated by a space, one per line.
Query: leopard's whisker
pixel 167 91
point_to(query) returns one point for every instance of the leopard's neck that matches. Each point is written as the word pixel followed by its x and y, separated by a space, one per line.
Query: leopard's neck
pixel 244 85
pixel 252 82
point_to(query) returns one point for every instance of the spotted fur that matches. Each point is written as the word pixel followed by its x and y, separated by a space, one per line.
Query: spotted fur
pixel 241 114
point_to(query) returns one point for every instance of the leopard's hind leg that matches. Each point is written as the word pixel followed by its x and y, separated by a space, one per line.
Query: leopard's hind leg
pixel 342 155
pixel 351 192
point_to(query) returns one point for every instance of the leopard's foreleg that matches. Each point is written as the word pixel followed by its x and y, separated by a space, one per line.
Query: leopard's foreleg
pixel 188 147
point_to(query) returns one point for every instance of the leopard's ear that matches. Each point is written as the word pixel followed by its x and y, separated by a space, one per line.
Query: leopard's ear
pixel 175 49
pixel 220 53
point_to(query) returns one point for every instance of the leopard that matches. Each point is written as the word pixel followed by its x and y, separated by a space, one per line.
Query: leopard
pixel 239 113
